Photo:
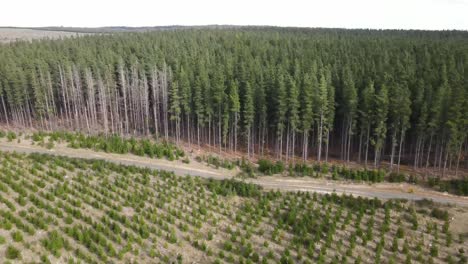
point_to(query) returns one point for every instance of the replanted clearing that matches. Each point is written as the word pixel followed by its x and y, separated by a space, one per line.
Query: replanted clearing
pixel 68 210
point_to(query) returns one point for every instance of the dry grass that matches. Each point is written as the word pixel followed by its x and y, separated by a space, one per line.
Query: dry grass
pixel 8 35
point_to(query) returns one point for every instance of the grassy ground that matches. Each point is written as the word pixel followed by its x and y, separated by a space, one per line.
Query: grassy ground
pixel 71 210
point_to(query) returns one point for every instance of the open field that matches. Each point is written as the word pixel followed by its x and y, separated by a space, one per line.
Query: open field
pixel 66 210
pixel 14 34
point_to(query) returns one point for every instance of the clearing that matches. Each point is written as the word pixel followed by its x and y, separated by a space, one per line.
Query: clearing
pixel 24 34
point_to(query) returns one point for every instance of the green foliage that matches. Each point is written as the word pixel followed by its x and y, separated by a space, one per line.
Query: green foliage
pixel 269 168
pixel 439 214
pixel 141 209
pixel 113 144
pixel 17 236
pixel 12 253
pixel 54 243
pixel 234 187
pixel 359 175
pixel 11 136
pixel 250 85
pixel 434 251
pixel 217 162
pixel 396 177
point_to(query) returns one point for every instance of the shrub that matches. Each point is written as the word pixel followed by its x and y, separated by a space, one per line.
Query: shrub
pixel 267 167
pixel 54 243
pixel 12 253
pixel 50 145
pixel 439 214
pixel 234 187
pixel 227 246
pixel 434 250
pixel 400 233
pixel 17 236
pixel 11 136
pixel 396 177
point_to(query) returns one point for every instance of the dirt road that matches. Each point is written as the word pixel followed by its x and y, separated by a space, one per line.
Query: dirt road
pixel 381 190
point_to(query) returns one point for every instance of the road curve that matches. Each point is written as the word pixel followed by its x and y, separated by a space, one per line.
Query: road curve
pixel 381 190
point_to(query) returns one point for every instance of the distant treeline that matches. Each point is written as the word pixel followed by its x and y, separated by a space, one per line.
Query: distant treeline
pixel 360 95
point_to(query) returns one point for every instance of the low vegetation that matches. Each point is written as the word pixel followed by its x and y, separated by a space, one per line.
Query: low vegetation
pixel 57 209
pixel 110 144
pixel 161 149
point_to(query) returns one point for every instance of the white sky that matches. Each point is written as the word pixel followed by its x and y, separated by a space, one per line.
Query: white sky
pixel 384 14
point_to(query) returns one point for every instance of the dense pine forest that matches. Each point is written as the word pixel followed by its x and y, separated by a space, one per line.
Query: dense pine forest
pixel 356 95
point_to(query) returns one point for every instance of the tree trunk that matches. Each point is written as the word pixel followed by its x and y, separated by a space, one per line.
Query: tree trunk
pixel 367 145
pixel 326 147
pixel 392 157
pixel 320 136
pixel 402 137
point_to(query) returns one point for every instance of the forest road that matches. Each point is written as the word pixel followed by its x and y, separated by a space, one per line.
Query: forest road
pixel 379 190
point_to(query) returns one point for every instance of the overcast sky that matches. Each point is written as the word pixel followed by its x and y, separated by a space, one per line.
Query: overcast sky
pixel 379 14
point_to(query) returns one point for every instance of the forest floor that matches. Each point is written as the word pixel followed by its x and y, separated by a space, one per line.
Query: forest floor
pixel 194 168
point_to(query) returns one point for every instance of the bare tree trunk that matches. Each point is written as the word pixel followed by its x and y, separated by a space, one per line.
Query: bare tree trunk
pixel 165 102
pixel 327 144
pixel 349 136
pixel 287 144
pixel 305 143
pixel 293 145
pixel 235 131
pixel 393 149
pixel 360 146
pixel 442 149
pixel 458 159
pixel 416 152
pixel 5 111
pixel 344 130
pixel 320 136
pixel 445 161
pixel 248 142
pixel 367 145
pixel 281 145
pixel 402 137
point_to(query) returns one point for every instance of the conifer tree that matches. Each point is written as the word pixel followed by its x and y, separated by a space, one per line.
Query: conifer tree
pixel 307 93
pixel 380 118
pixel 248 115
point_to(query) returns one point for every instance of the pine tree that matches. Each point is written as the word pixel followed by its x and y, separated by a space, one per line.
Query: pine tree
pixel 366 118
pixel 293 113
pixel 234 106
pixel 281 110
pixel 307 93
pixel 248 115
pixel 349 110
pixel 185 100
pixel 322 108
pixel 175 109
pixel 330 112
pixel 380 118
